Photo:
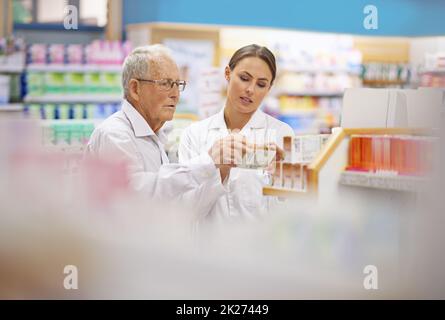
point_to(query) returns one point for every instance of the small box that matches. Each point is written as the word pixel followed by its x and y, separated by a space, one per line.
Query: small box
pixel 56 53
pixel 287 175
pixel 277 176
pixel 289 149
pixel 298 177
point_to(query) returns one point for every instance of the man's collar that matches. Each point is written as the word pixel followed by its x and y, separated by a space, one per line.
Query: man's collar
pixel 140 126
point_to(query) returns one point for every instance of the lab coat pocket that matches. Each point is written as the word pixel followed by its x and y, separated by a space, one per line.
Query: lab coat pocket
pixel 247 189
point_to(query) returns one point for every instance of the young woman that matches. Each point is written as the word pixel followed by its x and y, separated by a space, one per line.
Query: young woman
pixel 250 75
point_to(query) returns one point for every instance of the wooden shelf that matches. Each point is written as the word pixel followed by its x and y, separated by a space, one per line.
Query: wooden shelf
pixel 283 192
pixel 384 82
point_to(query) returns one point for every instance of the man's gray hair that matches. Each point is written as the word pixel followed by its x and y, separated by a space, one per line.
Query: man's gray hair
pixel 136 64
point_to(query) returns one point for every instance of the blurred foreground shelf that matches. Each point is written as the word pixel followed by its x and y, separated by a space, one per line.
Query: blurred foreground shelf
pixel 381 181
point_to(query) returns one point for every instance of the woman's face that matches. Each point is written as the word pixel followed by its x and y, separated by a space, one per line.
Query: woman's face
pixel 248 84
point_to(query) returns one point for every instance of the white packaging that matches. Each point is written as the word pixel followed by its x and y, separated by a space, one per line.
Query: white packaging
pixel 4 89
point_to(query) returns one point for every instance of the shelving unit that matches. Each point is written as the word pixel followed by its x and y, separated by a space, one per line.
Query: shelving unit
pixel 384 83
pixel 11 107
pixel 11 69
pixel 326 173
pixel 310 93
pixel 322 88
pixel 74 98
pixel 81 68
pixel 385 182
pixel 334 70
pixel 433 71
pixel 11 111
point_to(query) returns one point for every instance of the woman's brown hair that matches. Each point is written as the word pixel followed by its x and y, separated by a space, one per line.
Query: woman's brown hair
pixel 254 50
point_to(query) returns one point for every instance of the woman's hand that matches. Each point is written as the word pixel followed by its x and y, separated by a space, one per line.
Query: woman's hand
pixel 227 152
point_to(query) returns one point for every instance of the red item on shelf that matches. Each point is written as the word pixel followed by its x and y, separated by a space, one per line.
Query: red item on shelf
pixel 400 154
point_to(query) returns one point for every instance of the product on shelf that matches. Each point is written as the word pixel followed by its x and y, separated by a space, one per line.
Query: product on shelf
pixel 297 58
pixel 432 80
pixel 289 149
pixel 67 134
pixel 56 53
pixel 107 52
pixel 307 147
pixel 12 61
pixel 37 54
pixel 99 52
pixel 74 54
pixel 385 74
pixel 75 73
pixel 393 155
pixel 310 102
pixel 307 83
pixel 298 152
pixel 322 113
pixel 4 89
pixel 435 60
pixel 289 176
pixel 12 52
pixel 73 83
pixel 66 111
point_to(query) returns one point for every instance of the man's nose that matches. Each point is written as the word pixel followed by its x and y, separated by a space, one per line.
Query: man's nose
pixel 174 92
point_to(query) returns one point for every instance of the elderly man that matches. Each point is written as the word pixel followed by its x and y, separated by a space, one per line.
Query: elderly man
pixel 151 89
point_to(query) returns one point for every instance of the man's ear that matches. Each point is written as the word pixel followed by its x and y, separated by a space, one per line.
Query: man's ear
pixel 227 73
pixel 134 89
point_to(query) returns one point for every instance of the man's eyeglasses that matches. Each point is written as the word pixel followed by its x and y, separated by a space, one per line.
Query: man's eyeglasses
pixel 167 84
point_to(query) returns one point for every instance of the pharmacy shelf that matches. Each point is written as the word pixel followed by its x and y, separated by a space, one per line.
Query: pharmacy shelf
pixel 299 112
pixel 311 93
pixel 382 181
pixel 316 69
pixel 382 82
pixel 74 98
pixel 11 69
pixel 11 107
pixel 70 122
pixel 283 192
pixel 73 68
pixel 434 71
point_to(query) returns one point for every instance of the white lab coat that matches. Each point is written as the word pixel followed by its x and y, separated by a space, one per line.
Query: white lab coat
pixel 244 199
pixel 126 135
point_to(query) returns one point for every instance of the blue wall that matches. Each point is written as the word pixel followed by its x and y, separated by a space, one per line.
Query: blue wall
pixel 396 17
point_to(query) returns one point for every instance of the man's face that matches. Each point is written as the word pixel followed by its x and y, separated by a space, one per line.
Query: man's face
pixel 157 103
